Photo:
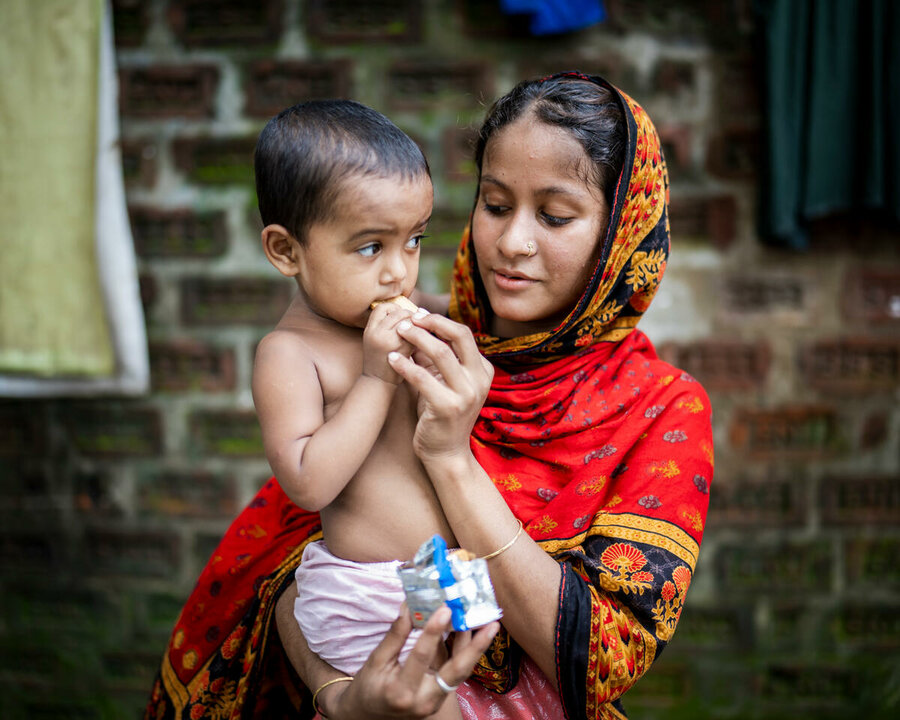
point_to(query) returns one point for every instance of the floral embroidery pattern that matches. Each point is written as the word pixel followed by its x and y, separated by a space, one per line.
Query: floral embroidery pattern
pixel 702 484
pixel 651 502
pixel 654 411
pixel 668 607
pixel 599 453
pixel 675 436
pixel 626 562
pixel 510 483
pixel 542 526
pixel 693 406
pixel 592 486
pixel 668 469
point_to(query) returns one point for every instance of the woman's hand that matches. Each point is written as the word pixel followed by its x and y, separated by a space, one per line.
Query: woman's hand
pixel 383 687
pixel 452 379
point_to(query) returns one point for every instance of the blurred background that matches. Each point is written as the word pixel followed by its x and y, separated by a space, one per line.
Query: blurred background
pixel 782 296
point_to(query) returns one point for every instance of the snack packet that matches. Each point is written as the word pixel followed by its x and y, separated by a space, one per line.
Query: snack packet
pixel 436 576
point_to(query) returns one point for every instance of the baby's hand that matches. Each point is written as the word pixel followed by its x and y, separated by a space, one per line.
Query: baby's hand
pixel 380 338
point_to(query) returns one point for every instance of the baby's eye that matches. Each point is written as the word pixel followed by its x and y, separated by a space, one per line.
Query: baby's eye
pixel 369 250
pixel 415 242
pixel 555 220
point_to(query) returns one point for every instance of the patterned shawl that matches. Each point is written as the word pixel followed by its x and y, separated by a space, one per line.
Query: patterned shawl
pixel 600 448
pixel 603 450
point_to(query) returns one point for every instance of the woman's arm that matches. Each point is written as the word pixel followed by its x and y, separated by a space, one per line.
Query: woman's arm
pixel 478 514
pixel 383 688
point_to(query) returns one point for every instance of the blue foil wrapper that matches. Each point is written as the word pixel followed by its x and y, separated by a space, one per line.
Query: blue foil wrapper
pixel 436 576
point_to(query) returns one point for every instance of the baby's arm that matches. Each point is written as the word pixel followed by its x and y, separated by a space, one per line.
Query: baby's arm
pixel 314 459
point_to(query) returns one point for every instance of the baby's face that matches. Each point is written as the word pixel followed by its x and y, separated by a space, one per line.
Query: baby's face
pixel 369 251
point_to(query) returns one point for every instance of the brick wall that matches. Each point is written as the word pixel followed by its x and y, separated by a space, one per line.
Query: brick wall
pixel 111 507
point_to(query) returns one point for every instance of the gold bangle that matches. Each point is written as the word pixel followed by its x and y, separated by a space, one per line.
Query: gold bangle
pixel 315 702
pixel 507 546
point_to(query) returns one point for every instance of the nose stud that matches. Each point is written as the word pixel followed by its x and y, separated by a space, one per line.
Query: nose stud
pixel 531 248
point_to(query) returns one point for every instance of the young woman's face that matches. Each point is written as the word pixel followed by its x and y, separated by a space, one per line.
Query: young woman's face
pixel 537 226
pixel 369 251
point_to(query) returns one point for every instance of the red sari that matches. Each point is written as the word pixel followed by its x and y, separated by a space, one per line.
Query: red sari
pixel 600 448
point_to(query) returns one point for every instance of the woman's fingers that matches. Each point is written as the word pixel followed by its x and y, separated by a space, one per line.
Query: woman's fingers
pixel 388 650
pixel 467 648
pixel 457 335
pixel 441 353
pixel 422 656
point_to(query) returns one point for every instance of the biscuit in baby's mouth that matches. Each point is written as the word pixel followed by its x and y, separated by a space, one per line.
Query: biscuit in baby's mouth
pixel 400 300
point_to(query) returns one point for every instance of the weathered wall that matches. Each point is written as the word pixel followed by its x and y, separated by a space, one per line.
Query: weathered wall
pixel 110 507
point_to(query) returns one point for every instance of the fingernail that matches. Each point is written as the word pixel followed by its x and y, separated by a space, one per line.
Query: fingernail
pixel 393 355
pixel 404 325
pixel 420 313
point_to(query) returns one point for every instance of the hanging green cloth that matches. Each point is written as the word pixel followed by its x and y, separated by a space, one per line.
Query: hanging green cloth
pixel 832 89
pixel 52 316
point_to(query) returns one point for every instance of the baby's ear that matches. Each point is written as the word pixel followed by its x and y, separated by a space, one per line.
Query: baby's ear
pixel 280 248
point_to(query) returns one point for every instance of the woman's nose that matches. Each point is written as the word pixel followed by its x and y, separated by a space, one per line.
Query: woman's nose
pixel 516 237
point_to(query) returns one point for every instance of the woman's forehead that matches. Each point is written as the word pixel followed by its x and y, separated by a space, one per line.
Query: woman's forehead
pixel 542 155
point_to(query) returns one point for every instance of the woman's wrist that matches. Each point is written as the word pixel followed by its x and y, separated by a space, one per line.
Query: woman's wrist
pixel 327 697
pixel 450 466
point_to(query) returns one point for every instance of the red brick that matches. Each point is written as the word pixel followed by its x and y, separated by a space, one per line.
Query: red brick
pixel 459 154
pixel 23 429
pixel 275 85
pixel 352 21
pixel 215 23
pixel 413 86
pixel 149 289
pixel 110 430
pixel 94 494
pixel 139 166
pixel 676 143
pixel 734 151
pixel 180 233
pixel 722 364
pixel 486 20
pixel 233 300
pixel 181 365
pixel 187 493
pixel 765 295
pixel 874 430
pixel 130 22
pixel 873 296
pixel 228 433
pixel 787 432
pixel 779 569
pixel 674 77
pixel 713 218
pixel 810 685
pixel 861 500
pixel 216 161
pixel 736 87
pixel 132 553
pixel 860 365
pixel 757 503
pixel 167 91
pixel 871 563
pixel 868 626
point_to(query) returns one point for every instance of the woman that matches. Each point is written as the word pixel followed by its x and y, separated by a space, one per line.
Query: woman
pixel 601 450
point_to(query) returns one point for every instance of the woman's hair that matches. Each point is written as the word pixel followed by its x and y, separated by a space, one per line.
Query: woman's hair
pixel 306 152
pixel 590 112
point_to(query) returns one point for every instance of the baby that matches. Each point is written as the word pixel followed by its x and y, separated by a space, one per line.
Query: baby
pixel 345 197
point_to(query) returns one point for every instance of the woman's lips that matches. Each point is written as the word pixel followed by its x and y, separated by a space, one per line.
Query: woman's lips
pixel 511 280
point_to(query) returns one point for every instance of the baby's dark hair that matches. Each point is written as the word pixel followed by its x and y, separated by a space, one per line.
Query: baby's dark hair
pixel 306 152
pixel 589 111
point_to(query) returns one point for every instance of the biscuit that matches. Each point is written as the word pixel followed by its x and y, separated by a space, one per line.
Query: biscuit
pixel 400 300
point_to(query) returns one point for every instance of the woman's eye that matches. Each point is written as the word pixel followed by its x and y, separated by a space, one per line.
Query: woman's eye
pixel 494 209
pixel 369 250
pixel 415 242
pixel 555 220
